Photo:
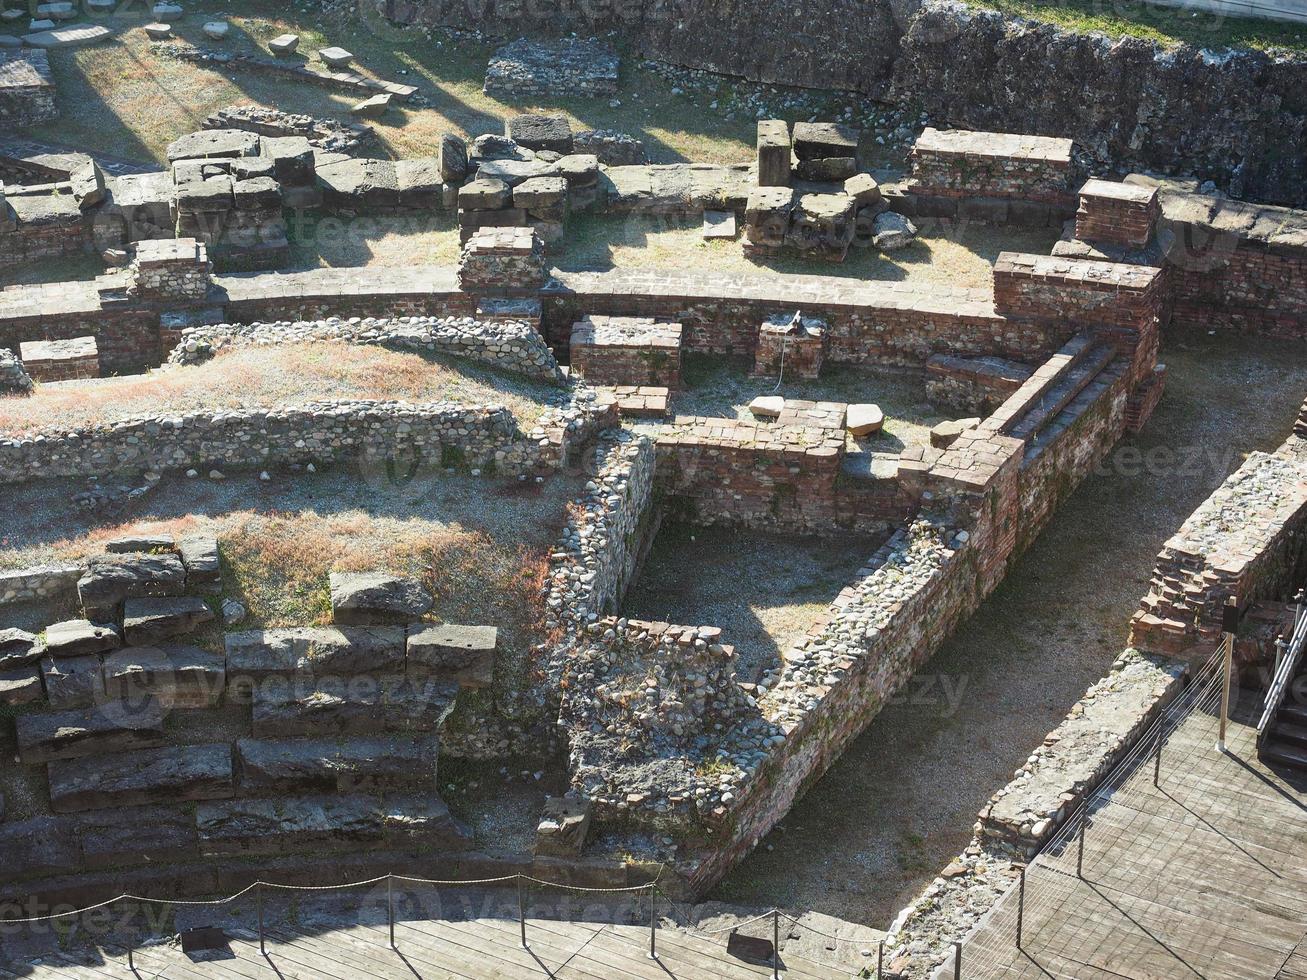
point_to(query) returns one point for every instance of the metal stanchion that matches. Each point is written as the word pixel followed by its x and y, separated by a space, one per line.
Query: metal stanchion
pixel 1021 905
pixel 776 944
pixel 880 960
pixel 390 907
pixel 1229 625
pixel 1080 853
pixel 521 909
pixel 957 961
pixel 653 923
pixel 258 894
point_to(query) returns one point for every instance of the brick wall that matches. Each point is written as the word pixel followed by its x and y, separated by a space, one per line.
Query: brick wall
pixel 128 339
pixel 1117 213
pixel 961 163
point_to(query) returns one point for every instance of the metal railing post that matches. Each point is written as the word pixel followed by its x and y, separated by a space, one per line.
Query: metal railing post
pixel 390 907
pixel 776 944
pixel 521 909
pixel 1080 853
pixel 258 894
pixel 1021 906
pixel 957 961
pixel 880 960
pixel 653 922
pixel 1229 625
pixel 1157 752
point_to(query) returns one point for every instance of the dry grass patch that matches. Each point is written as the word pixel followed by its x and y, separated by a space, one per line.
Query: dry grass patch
pixel 265 377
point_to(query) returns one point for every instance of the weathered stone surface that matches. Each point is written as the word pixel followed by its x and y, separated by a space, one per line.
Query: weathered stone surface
pixel 462 653
pixel 827 169
pixel 147 621
pixel 453 158
pixel 140 542
pixel 893 232
pixel 120 838
pixel 540 192
pixel 767 406
pixel 176 675
pixel 342 765
pixel 570 67
pixel 88 185
pixel 391 706
pixel 217 143
pixel 39 846
pixel 563 828
pixel 542 132
pixel 355 184
pixel 284 44
pixel 18 648
pixel 200 558
pixel 109 579
pixel 376 598
pixel 864 420
pixel 76 637
pixel 484 194
pixel 50 735
pixel 611 148
pixel 372 108
pixel 189 772
pixel 336 57
pixel 321 651
pixel 420 183
pixel 21 685
pixel 332 822
pixel 817 140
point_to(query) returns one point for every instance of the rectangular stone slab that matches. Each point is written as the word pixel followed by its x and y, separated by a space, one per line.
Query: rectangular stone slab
pixel 276 826
pixel 313 651
pixel 41 845
pixel 188 772
pixel 109 579
pixel 343 765
pixel 199 556
pixel 397 706
pixel 21 686
pixel 120 727
pixel 177 675
pixel 462 653
pixel 78 637
pixel 121 838
pixel 72 682
pixel 147 621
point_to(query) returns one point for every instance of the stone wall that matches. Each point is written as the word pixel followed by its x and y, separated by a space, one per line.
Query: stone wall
pixel 26 89
pixel 508 346
pixel 14 379
pixel 486 438
pixel 39 584
pixel 1248 540
pixel 1238 118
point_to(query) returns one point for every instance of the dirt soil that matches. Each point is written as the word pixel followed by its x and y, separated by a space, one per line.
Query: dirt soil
pixel 900 803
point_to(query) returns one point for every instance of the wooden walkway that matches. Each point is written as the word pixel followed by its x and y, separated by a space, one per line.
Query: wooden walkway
pixel 471 948
pixel 1204 876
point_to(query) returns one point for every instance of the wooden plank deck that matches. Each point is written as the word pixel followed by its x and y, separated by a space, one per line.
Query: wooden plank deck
pixel 1203 876
pixel 440 949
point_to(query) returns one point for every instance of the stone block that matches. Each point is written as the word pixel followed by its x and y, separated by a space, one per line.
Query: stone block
pixel 391 706
pixel 146 776
pixel 74 359
pixel 337 765
pixel 376 598
pixel 256 194
pixel 336 57
pixel 78 637
pixel 767 406
pixel 563 828
pixel 120 727
pixel 72 682
pixel 174 675
pixel 540 192
pixel 453 158
pixel 864 190
pixel 827 169
pixel 219 143
pixel 147 621
pixel 200 558
pixel 314 652
pixel 109 579
pixel 21 685
pixel 39 846
pixel 372 108
pixel 542 132
pixel 120 838
pixel 421 185
pixel 864 420
pixel 291 158
pixel 129 544
pixel 284 44
pixel 773 153
pixel 484 194
pixel 465 654
pixel 817 140
pixel 18 648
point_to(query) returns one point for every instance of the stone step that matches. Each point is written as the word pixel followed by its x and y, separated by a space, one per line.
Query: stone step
pixel 1285 753
pixel 342 765
pixel 118 726
pixel 314 651
pixel 110 579
pixel 1060 394
pixel 1290 733
pixel 396 706
pixel 1085 399
pixel 1294 714
pixel 121 838
pixel 176 675
pixel 173 774
pixel 352 822
pixel 148 621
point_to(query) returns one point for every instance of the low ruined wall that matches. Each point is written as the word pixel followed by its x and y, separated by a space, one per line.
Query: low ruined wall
pixel 1248 540
pixel 128 339
pixel 870 322
pixel 322 293
pixel 39 584
pixel 514 347
pixel 323 432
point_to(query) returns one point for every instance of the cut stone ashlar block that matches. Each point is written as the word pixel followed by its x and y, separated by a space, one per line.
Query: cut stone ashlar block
pixel 376 599
pixel 390 706
pixel 312 651
pixel 72 682
pixel 819 140
pixel 110 579
pixel 200 558
pixel 76 359
pixel 18 648
pixel 329 822
pixel 372 108
pixel 338 764
pixel 147 621
pixel 163 775
pixel 465 654
pixel 773 153
pixel 21 685
pixel 864 420
pixel 215 143
pixel 78 637
pixel 622 350
pixel 542 132
pixel 121 727
pixel 176 675
pixel 563 828
pixel 115 839
pixel 336 57
pixel 284 44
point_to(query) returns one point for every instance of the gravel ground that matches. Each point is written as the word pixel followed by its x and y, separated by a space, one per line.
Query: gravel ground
pixel 764 590
pixel 900 803
pixel 272 376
